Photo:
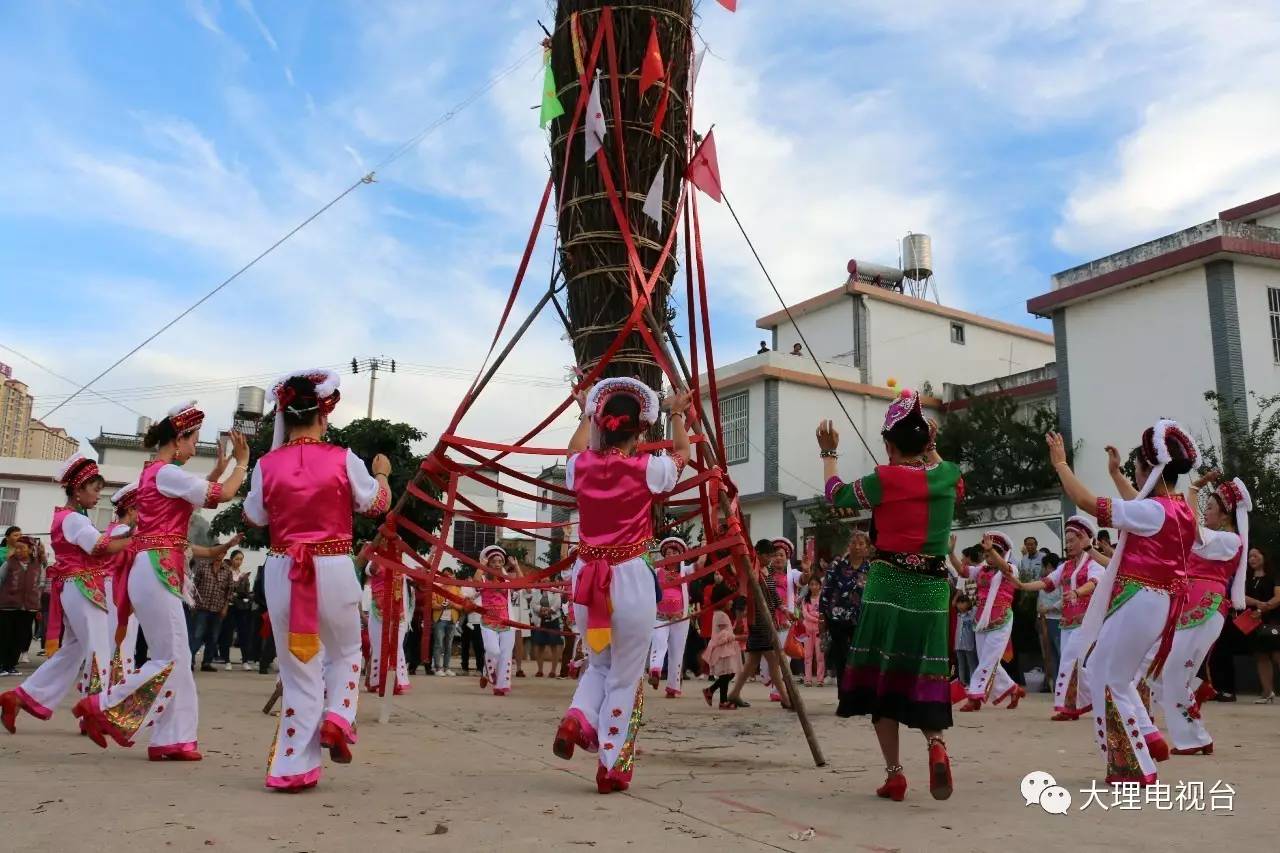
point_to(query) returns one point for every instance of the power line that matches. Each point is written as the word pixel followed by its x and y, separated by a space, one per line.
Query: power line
pixel 365 179
pixel 66 379
pixel 796 326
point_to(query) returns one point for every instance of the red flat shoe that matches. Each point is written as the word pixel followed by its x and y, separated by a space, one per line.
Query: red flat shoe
pixel 655 678
pixel 775 696
pixel 333 739
pixel 160 753
pixel 971 705
pixel 728 706
pixel 706 695
pixel 484 682
pixel 672 693
pixel 1063 717
pixel 1157 747
pixel 604 784
pixel 567 737
pixel 940 783
pixel 10 704
pixel 1207 749
pixel 894 787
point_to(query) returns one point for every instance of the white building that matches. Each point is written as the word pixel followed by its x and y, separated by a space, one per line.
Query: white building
pixel 865 336
pixel 1145 332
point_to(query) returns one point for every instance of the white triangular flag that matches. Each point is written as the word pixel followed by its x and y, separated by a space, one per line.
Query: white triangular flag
pixel 697 66
pixel 595 129
pixel 653 199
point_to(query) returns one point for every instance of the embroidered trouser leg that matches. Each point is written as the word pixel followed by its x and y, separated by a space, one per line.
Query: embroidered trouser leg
pixel 499 645
pixel 84 655
pixel 1112 670
pixel 375 653
pixel 609 695
pixel 324 688
pixel 124 653
pixel 162 694
pixel 1071 692
pixel 658 646
pixel 1173 690
pixel 990 682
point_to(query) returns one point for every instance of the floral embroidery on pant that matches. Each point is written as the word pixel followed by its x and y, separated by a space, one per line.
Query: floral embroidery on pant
pixel 626 756
pixel 95 676
pixel 127 715
pixel 1122 761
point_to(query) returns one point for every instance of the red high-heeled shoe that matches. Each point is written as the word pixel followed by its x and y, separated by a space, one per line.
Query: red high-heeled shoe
pixel 940 783
pixel 895 786
pixel 971 705
pixel 1207 749
pixel 567 737
pixel 1018 694
pixel 607 783
pixel 1157 746
pixel 10 704
pixel 333 739
pixel 89 727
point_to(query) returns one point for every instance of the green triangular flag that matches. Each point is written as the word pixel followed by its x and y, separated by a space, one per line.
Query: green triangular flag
pixel 551 106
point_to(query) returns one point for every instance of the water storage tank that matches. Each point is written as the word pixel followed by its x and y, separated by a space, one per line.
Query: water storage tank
pixel 917 256
pixel 250 400
pixel 144 424
pixel 870 273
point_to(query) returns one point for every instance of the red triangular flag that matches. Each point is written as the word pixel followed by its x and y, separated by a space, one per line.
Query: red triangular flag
pixel 661 112
pixel 651 70
pixel 731 5
pixel 704 170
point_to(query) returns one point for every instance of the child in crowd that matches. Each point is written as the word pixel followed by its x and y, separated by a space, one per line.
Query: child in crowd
pixel 966 642
pixel 815 664
pixel 724 659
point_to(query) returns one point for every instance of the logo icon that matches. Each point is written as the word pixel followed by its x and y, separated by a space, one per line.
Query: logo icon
pixel 1034 784
pixel 1055 799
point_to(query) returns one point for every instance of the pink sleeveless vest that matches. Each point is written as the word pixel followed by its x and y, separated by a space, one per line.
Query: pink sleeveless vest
pixel 1206 578
pixel 68 557
pixel 307 495
pixel 1073 611
pixel 614 501
pixel 1160 561
pixel 1004 598
pixel 158 514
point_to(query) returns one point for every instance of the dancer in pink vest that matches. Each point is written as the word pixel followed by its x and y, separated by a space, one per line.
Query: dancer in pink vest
pixel 77 603
pixel 672 630
pixel 123 645
pixel 1215 582
pixel 1077 576
pixel 993 626
pixel 1140 595
pixel 498 636
pixel 615 591
pixel 161 696
pixel 306 492
pixel 402 609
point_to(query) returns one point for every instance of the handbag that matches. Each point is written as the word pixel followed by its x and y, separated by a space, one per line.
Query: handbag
pixel 1248 621
pixel 792 647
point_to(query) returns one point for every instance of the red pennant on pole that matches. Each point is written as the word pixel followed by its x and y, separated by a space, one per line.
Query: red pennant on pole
pixel 651 70
pixel 661 112
pixel 704 170
pixel 731 5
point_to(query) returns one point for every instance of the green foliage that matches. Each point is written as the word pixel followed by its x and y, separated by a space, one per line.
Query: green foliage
pixel 831 531
pixel 366 438
pixel 1001 453
pixel 1251 451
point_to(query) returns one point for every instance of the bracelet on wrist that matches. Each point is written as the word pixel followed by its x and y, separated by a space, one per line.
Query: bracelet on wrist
pixel 828 454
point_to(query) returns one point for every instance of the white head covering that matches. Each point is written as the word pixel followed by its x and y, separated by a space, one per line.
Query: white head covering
pixel 1005 542
pixel 673 540
pixel 185 417
pixel 1163 430
pixel 327 382
pixel 1237 497
pixel 606 388
pixel 124 493
pixel 75 469
pixel 490 551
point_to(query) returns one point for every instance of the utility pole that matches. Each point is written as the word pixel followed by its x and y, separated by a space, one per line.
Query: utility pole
pixel 373 365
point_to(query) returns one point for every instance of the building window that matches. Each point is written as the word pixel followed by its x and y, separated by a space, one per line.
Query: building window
pixel 103 515
pixel 733 427
pixel 1273 302
pixel 957 333
pixel 8 506
pixel 470 538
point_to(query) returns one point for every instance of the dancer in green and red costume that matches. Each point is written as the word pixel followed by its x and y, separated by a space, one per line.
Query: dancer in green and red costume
pixel 898 667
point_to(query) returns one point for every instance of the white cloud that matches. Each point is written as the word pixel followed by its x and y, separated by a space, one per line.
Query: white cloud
pixel 206 14
pixel 247 6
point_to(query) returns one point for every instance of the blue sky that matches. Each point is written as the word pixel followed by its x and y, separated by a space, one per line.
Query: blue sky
pixel 149 154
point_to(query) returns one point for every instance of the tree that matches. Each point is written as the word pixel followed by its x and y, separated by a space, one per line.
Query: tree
pixel 366 438
pixel 1001 454
pixel 831 530
pixel 1251 451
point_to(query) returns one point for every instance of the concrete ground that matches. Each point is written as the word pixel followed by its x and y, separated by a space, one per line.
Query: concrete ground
pixel 458 769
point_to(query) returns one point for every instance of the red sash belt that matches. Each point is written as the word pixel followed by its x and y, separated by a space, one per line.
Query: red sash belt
pixel 57 580
pixel 304 620
pixel 1175 587
pixel 594 581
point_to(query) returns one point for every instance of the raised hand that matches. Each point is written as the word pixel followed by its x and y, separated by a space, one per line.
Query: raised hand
pixel 240 448
pixel 828 438
pixel 678 403
pixel 381 465
pixel 1213 475
pixel 1057 449
pixel 1113 460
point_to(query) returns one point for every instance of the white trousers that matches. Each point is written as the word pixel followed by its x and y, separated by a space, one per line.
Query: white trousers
pixel 610 698
pixel 668 644
pixel 1174 691
pixel 375 653
pixel 766 677
pixel 325 688
pixel 1071 693
pixel 1113 670
pixel 162 694
pixel 124 655
pixel 499 646
pixel 989 681
pixel 84 647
